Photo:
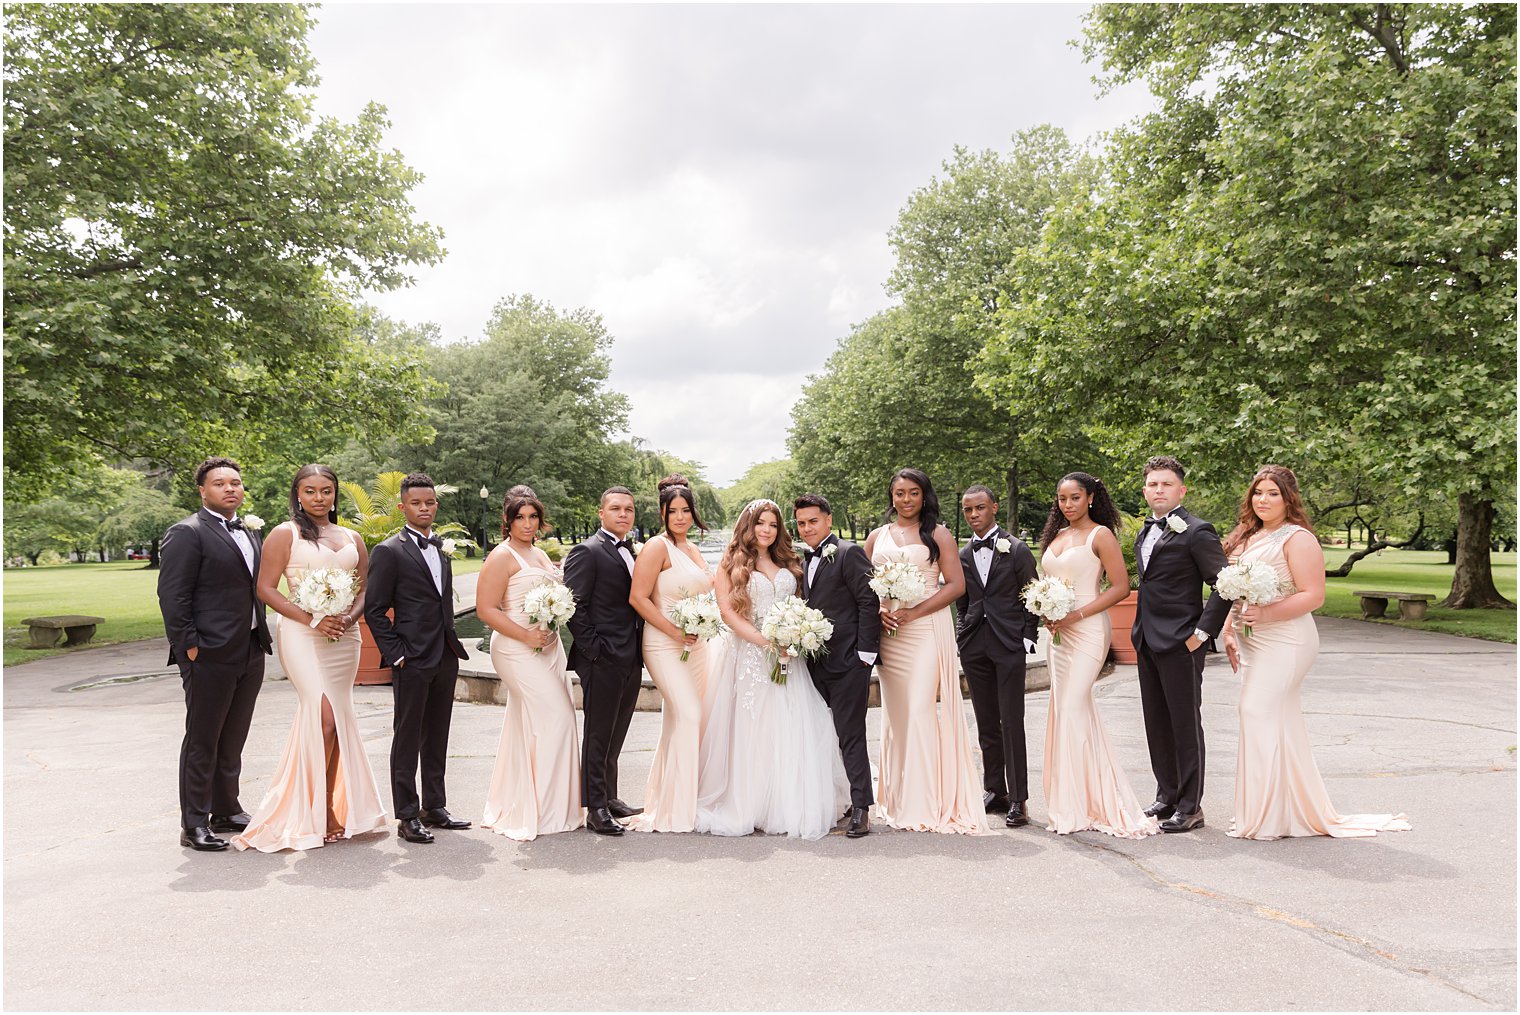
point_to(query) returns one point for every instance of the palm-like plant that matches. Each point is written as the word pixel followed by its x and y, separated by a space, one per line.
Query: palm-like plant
pixel 377 512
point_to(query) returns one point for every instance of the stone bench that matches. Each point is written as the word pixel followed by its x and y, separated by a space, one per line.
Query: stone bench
pixel 1412 605
pixel 76 630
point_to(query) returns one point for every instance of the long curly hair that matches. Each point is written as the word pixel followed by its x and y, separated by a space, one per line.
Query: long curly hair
pixel 743 551
pixel 928 515
pixel 1247 524
pixel 1101 510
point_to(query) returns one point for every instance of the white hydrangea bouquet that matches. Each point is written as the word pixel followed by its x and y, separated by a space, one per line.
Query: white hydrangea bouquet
pixel 326 592
pixel 1050 598
pixel 795 631
pixel 548 606
pixel 1251 581
pixel 896 582
pixel 697 615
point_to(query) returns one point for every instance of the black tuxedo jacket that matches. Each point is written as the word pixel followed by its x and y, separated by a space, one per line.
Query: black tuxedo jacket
pixel 998 605
pixel 1171 585
pixel 605 624
pixel 842 591
pixel 206 592
pixel 423 629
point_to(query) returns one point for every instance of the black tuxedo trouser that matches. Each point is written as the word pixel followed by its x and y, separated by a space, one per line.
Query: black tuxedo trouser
pixel 420 730
pixel 847 696
pixel 609 694
pixel 1171 696
pixel 996 678
pixel 219 700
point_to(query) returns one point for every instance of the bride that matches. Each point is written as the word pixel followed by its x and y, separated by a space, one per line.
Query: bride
pixel 769 757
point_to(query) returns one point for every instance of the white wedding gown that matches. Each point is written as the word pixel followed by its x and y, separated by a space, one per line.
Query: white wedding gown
pixel 769 758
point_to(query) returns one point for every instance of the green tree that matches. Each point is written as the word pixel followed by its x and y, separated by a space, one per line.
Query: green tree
pixel 764 480
pixel 1307 256
pixel 184 240
pixel 142 518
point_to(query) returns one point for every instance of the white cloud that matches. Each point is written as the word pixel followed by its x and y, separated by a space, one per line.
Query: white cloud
pixel 716 181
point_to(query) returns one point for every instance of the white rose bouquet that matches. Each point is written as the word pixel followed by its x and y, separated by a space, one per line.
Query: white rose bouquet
pixel 795 631
pixel 1251 581
pixel 1050 598
pixel 326 592
pixel 896 582
pixel 548 606
pixel 697 615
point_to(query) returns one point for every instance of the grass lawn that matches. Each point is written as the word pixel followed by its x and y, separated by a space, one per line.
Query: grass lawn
pixel 1420 571
pixel 121 591
pixel 127 596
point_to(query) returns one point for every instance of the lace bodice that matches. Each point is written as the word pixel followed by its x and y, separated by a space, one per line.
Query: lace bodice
pixel 763 594
pixel 1268 548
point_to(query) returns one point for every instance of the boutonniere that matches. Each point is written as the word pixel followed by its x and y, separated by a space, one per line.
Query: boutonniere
pixel 1176 524
pixel 830 550
pixel 253 522
pixel 1003 545
pixel 449 548
pixel 638 548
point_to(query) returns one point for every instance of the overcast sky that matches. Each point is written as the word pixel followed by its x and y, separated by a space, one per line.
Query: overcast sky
pixel 716 181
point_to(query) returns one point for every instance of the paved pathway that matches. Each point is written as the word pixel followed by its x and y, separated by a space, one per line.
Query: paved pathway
pixel 104 910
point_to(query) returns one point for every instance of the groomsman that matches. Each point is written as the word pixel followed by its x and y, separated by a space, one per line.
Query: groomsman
pixel 836 576
pixel 1177 554
pixel 606 654
pixel 996 635
pixel 410 575
pixel 218 638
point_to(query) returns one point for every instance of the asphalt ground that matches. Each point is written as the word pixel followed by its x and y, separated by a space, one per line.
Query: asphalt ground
pixel 103 909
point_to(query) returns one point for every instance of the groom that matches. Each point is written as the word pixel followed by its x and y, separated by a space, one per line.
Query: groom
pixel 218 638
pixel 1177 553
pixel 836 577
pixel 410 577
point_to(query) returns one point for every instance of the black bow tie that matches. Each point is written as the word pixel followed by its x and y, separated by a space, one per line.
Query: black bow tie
pixel 1153 520
pixel 621 544
pixel 423 542
pixel 808 555
pixel 981 542
pixel 234 524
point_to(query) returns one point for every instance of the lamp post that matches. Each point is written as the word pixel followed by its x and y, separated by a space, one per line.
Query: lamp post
pixel 485 518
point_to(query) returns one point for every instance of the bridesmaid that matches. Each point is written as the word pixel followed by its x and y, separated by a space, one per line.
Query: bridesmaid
pixel 929 781
pixel 1084 786
pixel 1278 789
pixel 324 788
pixel 535 786
pixel 668 569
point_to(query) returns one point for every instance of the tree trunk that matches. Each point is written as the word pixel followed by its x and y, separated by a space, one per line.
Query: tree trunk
pixel 1472 586
pixel 1011 475
pixel 152 555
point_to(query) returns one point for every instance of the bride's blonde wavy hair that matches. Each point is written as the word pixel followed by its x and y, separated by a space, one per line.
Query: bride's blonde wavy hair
pixel 743 551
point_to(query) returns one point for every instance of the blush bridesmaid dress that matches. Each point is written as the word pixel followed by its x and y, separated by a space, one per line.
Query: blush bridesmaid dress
pixel 670 796
pixel 295 811
pixel 1084 786
pixel 929 781
pixel 536 784
pixel 1278 789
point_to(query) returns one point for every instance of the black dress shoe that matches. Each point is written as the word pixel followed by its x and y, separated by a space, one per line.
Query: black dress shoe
pixel 233 823
pixel 601 821
pixel 860 823
pixel 1160 809
pixel 201 838
pixel 994 803
pixel 411 830
pixel 1183 822
pixel 618 809
pixel 439 817
pixel 1018 814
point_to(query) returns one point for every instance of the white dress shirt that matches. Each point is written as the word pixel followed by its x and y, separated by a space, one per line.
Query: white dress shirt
pixel 432 556
pixel 622 550
pixel 244 544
